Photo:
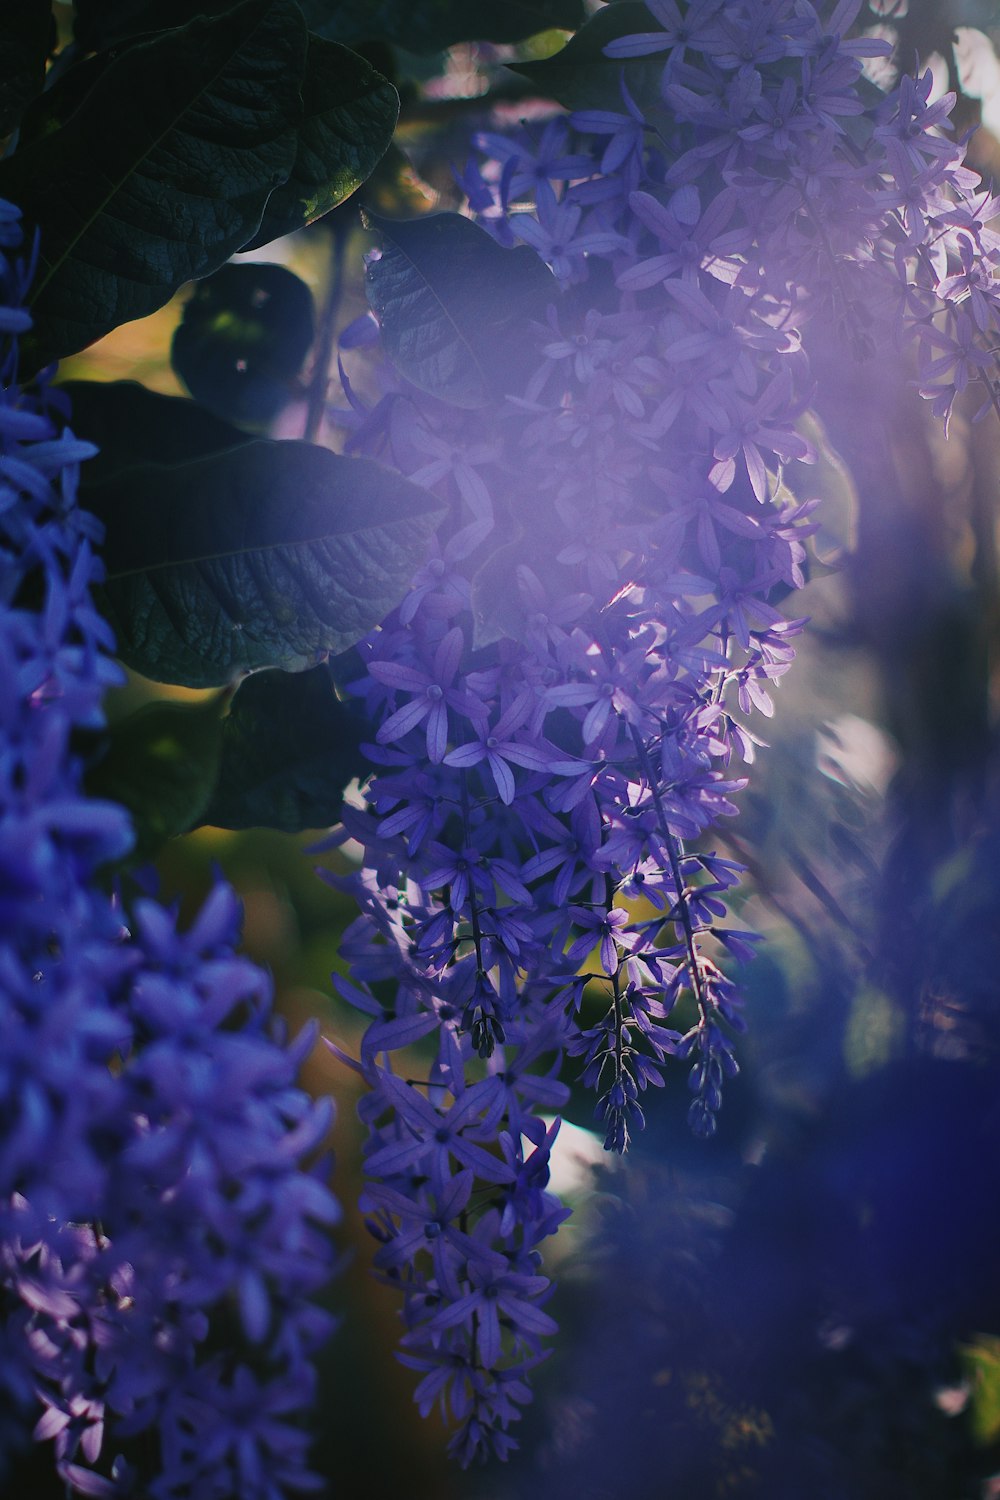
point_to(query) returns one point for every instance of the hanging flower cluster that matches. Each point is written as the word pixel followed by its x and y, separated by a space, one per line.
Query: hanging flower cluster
pixel 159 1237
pixel 561 700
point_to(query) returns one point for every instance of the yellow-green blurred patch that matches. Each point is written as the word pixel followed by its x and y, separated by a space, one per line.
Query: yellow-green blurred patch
pixel 981 1362
pixel 874 1030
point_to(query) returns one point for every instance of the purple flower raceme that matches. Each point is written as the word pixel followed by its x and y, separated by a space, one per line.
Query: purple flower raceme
pixel 159 1234
pixel 557 726
pixel 535 875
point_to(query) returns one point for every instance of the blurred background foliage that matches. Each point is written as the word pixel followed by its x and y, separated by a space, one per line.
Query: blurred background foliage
pixel 809 1304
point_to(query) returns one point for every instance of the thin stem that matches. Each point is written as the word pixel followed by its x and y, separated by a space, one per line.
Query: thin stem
pixel 477 935
pixel 724 678
pixel 619 1025
pixel 319 380
pixel 675 869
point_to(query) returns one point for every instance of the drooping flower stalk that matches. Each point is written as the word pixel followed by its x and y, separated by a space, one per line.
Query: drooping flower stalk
pixel 160 1231
pixel 561 697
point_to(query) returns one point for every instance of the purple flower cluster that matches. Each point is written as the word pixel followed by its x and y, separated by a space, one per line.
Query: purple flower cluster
pixel 159 1235
pixel 562 695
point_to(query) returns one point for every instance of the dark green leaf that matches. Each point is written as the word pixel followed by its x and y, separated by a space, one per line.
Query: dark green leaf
pixel 432 25
pixel 105 23
pixel 243 338
pixel 162 764
pixel 161 173
pixel 349 115
pixel 133 426
pixel 51 109
pixel 289 748
pixel 266 555
pixel 581 77
pixel 417 25
pixel 100 25
pixel 26 34
pixel 452 304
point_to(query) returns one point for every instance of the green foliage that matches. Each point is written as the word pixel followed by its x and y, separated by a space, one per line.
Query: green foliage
pixel 151 167
pixel 243 338
pixel 280 758
pixel 49 111
pixel 161 172
pixel 264 555
pixel 289 747
pixel 98 24
pixel 431 25
pixel 449 300
pixel 25 38
pixel 421 26
pixel 173 134
pixel 227 553
pixel 981 1361
pixel 349 113
pixel 162 763
pixel 132 426
pixel 581 77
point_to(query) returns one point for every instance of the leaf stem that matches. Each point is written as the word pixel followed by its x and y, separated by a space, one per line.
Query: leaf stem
pixel 319 379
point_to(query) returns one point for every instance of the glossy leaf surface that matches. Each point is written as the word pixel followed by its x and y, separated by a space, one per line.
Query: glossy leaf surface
pixel 289 747
pixel 161 172
pixel 452 303
pixel 132 425
pixel 349 113
pixel 267 554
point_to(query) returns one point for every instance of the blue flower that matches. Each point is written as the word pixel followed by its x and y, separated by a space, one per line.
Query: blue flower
pixel 152 1136
pixel 628 624
pixel 433 695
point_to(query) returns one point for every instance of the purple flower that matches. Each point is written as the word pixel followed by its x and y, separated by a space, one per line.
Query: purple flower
pixel 499 744
pixel 426 1139
pixel 559 237
pixel 690 241
pixel 627 131
pixel 625 626
pixel 153 1137
pixel 601 929
pixel 433 695
pixel 494 1299
pixel 528 166
pixel 695 27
